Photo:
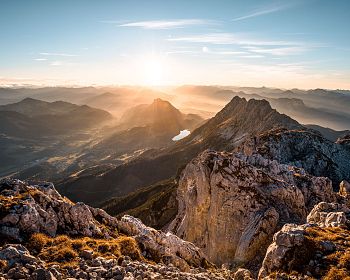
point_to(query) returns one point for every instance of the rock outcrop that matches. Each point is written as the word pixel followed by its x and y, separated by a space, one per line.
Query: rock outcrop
pixel 289 237
pixel 231 204
pixel 302 148
pixel 319 249
pixel 35 209
pixel 329 215
pixel 30 209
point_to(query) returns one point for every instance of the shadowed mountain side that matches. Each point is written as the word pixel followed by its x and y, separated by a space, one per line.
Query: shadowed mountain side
pixel 155 205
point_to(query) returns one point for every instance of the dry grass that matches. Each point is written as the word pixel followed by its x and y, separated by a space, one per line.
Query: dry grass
pixel 337 274
pixel 8 201
pixel 334 234
pixel 65 250
pixel 334 265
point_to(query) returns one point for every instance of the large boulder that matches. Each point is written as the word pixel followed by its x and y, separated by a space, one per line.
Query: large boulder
pixel 291 236
pixel 165 246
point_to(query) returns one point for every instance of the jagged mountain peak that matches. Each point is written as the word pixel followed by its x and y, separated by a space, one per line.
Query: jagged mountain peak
pixel 250 116
pixel 238 104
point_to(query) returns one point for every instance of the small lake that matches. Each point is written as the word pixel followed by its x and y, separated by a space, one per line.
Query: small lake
pixel 181 135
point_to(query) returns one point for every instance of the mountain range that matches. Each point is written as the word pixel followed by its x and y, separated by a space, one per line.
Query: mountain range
pixel 250 190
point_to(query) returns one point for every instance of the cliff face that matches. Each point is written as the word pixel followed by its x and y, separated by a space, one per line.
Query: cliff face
pixel 231 204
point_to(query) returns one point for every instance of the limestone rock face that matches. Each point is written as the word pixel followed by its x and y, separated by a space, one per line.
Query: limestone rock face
pixel 230 205
pixel 329 215
pixel 302 148
pixel 27 209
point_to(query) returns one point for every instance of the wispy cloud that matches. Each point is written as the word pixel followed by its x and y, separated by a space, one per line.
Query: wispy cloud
pixel 181 52
pixel 57 54
pixel 56 63
pixel 292 50
pixel 40 59
pixel 229 39
pixel 222 52
pixel 62 63
pixel 262 12
pixel 252 56
pixel 166 24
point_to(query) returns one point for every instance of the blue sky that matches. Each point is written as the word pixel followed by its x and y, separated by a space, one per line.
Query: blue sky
pixel 287 44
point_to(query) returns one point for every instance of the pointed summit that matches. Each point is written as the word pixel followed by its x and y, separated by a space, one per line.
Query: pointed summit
pixel 161 115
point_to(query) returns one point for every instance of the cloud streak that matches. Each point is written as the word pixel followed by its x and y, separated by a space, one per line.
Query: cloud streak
pixel 229 39
pixel 262 12
pixel 62 63
pixel 57 54
pixel 292 50
pixel 166 24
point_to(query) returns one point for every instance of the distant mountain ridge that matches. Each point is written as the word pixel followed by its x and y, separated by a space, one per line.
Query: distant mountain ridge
pixel 34 107
pixel 36 118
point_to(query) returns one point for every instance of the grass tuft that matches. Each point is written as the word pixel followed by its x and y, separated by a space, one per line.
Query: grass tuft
pixel 65 250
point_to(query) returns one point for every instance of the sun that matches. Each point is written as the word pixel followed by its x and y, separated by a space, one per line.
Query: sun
pixel 153 70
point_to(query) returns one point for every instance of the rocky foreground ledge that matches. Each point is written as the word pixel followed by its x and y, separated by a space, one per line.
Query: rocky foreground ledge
pixel 46 236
